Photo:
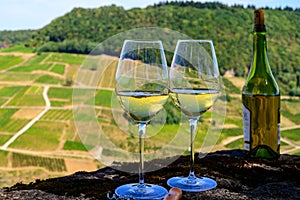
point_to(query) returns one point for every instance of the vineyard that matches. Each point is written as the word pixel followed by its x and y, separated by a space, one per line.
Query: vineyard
pixel 51 146
pixel 58 115
pixel 51 164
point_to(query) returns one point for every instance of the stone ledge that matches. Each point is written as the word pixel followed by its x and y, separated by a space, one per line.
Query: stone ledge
pixel 237 177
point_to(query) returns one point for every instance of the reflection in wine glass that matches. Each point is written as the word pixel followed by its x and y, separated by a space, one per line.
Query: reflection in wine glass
pixel 142 90
pixel 194 87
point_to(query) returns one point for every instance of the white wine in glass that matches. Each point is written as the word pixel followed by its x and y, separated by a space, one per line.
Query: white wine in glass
pixel 194 88
pixel 142 90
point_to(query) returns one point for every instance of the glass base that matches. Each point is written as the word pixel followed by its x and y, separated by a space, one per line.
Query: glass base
pixel 145 191
pixel 193 184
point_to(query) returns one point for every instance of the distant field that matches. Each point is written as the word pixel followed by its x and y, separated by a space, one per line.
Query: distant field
pixel 8 61
pixel 29 96
pixel 59 69
pixel 9 123
pixel 291 110
pixel 31 68
pixel 37 59
pixel 5 116
pixel 9 91
pixel 47 79
pixel 238 144
pixel 71 59
pixel 103 98
pixel 51 164
pixel 293 134
pixel 3 158
pixel 14 125
pixel 4 138
pixel 18 77
pixel 230 87
pixel 60 96
pixel 58 115
pixel 18 48
pixel 42 136
pixel 75 146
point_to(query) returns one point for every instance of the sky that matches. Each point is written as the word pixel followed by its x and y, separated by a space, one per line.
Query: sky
pixel 35 14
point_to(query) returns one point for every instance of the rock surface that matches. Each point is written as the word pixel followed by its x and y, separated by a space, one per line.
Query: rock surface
pixel 237 177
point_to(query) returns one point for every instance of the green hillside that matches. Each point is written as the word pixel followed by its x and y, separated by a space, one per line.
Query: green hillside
pixel 230 29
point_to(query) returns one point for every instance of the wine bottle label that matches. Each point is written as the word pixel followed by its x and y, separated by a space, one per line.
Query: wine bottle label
pixel 246 121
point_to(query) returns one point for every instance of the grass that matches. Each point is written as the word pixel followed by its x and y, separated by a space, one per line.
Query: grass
pixel 105 116
pixel 60 96
pixel 98 97
pixel 5 116
pixel 58 69
pixel 235 121
pixel 293 117
pixel 31 68
pixel 9 91
pixel 293 134
pixel 230 132
pixel 237 144
pixel 25 97
pixel 47 79
pixel 18 77
pixel 71 59
pixel 290 109
pixel 107 79
pixel 4 139
pixel 58 115
pixel 14 125
pixel 60 103
pixel 71 132
pixel 2 100
pixel 34 90
pixel 8 61
pixel 18 48
pixel 283 143
pixel 103 98
pixel 37 59
pixel 3 158
pixel 72 72
pixel 42 136
pixel 71 145
pixel 230 87
pixel 8 124
pixel 61 93
pixel 51 164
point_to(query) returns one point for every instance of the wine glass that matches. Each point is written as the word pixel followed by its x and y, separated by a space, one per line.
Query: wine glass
pixel 194 87
pixel 142 90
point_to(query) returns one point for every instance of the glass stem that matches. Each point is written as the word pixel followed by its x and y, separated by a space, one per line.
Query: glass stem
pixel 193 126
pixel 142 132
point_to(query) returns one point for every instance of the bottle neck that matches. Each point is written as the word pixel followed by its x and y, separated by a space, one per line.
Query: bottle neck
pixel 260 61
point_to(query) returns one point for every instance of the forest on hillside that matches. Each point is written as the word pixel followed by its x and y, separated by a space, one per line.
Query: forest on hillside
pixel 230 28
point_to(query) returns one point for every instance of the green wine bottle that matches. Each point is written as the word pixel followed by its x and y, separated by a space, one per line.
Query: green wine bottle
pixel 261 99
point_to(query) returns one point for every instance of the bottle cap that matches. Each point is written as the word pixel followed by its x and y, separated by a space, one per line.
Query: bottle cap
pixel 259 21
pixel 259 17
